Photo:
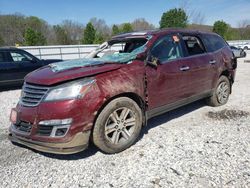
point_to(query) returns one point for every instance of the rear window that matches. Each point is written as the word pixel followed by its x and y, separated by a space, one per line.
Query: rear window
pixel 213 42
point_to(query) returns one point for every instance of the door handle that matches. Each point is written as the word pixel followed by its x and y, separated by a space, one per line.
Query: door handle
pixel 212 62
pixel 185 68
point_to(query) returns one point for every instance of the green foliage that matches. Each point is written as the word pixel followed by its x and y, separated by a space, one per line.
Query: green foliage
pixel 33 38
pixel 126 28
pixel 62 37
pixel 19 29
pixel 12 29
pixel 72 31
pixel 141 24
pixel 232 34
pixel 221 28
pixel 1 41
pixel 115 30
pixel 99 39
pixel 89 34
pixel 35 23
pixel 174 18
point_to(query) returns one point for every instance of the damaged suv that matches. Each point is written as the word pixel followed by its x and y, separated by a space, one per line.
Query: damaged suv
pixel 108 96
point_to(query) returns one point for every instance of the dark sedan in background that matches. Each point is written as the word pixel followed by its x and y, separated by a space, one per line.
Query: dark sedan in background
pixel 16 63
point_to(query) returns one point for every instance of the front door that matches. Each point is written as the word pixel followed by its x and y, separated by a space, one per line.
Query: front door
pixel 167 84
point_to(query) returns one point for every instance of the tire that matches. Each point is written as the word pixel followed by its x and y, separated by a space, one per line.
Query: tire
pixel 221 93
pixel 118 125
pixel 245 48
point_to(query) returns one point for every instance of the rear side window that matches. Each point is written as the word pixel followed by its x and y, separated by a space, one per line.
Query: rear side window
pixel 213 42
pixel 193 45
pixel 167 49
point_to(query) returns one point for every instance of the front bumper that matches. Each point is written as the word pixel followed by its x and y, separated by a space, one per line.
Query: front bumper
pixel 78 143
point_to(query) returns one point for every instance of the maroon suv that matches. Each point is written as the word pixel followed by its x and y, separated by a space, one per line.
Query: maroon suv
pixel 108 96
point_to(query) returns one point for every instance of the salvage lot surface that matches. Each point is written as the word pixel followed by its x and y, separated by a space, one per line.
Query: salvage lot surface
pixel 194 146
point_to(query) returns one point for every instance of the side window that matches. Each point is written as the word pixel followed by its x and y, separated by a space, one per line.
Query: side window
pixel 193 45
pixel 17 57
pixel 213 42
pixel 167 49
pixel 2 57
pixel 208 43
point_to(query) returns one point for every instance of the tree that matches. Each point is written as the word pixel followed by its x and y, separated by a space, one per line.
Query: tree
pixel 12 29
pixel 98 38
pixel 221 28
pixel 195 17
pixel 101 27
pixel 33 38
pixel 242 28
pixel 61 34
pixel 35 23
pixel 174 18
pixel 115 30
pixel 39 26
pixel 126 28
pixel 89 34
pixel 232 34
pixel 1 41
pixel 141 24
pixel 73 30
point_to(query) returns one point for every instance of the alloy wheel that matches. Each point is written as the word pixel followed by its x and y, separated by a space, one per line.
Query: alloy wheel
pixel 120 126
pixel 223 92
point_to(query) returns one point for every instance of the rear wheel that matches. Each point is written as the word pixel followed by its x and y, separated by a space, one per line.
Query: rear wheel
pixel 221 93
pixel 118 125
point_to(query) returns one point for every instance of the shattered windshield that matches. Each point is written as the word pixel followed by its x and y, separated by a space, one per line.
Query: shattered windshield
pixel 122 51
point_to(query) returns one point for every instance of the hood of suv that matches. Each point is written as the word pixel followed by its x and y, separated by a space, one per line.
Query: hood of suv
pixel 45 75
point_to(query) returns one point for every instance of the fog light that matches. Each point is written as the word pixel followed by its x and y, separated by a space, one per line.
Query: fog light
pixel 56 122
pixel 60 127
pixel 61 131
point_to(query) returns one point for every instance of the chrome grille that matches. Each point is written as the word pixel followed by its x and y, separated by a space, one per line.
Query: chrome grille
pixel 32 95
pixel 44 130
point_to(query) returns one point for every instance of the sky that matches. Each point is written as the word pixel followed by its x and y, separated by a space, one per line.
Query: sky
pixel 120 11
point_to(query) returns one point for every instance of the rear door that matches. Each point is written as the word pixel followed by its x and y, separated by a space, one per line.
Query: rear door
pixel 220 53
pixel 204 65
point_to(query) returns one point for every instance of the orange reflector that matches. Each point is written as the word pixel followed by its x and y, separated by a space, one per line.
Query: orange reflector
pixel 13 116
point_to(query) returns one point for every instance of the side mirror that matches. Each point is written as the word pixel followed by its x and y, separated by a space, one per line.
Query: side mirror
pixel 153 61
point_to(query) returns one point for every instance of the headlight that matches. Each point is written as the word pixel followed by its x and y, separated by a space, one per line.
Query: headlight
pixel 70 90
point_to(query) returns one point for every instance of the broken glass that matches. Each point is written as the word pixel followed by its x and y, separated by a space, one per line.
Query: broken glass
pixel 113 58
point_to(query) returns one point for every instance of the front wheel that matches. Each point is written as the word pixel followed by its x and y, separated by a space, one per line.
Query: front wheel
pixel 221 93
pixel 118 125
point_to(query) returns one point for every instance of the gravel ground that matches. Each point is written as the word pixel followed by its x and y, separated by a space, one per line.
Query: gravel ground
pixel 194 146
